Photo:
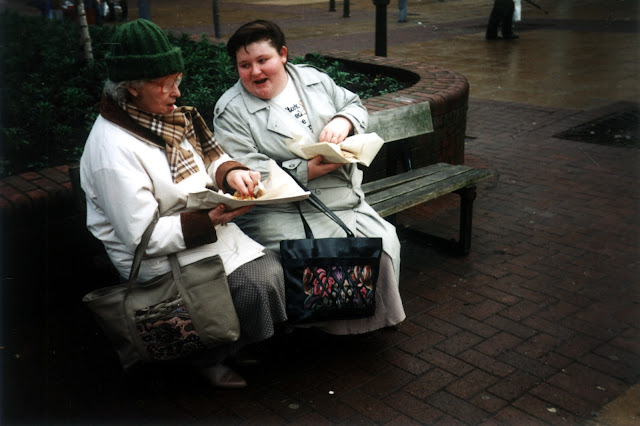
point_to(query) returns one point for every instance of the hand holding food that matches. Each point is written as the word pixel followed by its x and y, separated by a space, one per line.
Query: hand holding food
pixel 245 182
pixel 317 167
pixel 336 130
pixel 221 214
pixel 257 191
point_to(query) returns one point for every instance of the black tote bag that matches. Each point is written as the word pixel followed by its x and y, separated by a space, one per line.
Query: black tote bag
pixel 329 278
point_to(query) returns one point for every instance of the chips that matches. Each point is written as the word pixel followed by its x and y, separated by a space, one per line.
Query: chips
pixel 238 196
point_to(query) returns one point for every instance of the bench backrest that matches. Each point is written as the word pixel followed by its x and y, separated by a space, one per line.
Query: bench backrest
pixel 401 123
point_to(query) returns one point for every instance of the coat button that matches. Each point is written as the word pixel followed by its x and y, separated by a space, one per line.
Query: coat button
pixel 317 192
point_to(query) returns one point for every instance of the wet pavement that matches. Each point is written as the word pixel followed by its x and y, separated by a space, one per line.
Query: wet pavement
pixel 538 325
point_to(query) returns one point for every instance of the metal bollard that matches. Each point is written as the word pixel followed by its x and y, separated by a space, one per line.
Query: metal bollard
pixel 144 9
pixel 381 27
pixel 216 18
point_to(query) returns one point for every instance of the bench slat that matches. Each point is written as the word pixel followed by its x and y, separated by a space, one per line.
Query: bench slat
pixel 424 191
pixel 415 185
pixel 436 171
pixel 401 123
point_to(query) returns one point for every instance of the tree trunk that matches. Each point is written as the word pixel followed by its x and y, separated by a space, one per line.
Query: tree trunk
pixel 85 37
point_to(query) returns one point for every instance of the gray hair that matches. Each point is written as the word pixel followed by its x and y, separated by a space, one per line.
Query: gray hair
pixel 118 91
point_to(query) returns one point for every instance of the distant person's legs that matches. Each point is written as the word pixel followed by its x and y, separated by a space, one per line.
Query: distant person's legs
pixel 507 21
pixel 501 16
pixel 124 7
pixel 112 11
pixel 494 21
pixel 402 10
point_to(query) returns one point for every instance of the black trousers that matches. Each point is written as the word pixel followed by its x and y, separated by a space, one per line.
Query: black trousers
pixel 501 15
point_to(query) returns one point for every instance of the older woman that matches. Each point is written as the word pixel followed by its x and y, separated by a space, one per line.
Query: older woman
pixel 145 155
pixel 275 103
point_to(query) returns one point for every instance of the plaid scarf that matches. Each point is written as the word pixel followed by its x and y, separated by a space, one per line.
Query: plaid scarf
pixel 183 122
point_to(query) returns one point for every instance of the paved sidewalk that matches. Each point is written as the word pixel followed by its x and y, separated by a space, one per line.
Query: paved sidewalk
pixel 538 325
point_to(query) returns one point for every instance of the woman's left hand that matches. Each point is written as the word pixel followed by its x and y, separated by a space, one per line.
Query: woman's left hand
pixel 244 181
pixel 336 130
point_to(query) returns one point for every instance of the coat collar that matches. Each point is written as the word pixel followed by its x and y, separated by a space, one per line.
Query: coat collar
pixel 300 79
pixel 113 112
pixel 254 104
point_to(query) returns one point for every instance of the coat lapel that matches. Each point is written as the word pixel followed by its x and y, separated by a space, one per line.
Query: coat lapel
pixel 276 121
pixel 305 83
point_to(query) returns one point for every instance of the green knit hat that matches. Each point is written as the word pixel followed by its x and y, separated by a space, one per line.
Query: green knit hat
pixel 140 50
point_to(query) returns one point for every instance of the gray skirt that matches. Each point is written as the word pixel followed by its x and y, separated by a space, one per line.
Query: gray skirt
pixel 257 289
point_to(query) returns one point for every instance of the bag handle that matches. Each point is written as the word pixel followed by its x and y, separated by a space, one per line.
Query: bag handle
pixel 307 229
pixel 315 202
pixel 142 247
pixel 133 277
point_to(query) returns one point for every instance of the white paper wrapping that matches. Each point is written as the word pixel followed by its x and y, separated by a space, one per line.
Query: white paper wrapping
pixel 278 188
pixel 363 148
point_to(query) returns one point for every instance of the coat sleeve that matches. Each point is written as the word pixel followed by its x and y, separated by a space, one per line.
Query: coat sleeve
pixel 122 180
pixel 126 198
pixel 347 104
pixel 352 109
pixel 233 132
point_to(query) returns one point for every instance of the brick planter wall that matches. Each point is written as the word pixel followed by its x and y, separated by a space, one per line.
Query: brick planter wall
pixel 447 93
pixel 37 211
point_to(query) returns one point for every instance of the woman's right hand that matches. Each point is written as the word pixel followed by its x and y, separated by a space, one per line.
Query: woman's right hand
pixel 317 168
pixel 221 214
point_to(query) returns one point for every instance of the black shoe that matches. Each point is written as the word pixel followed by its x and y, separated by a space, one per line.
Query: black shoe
pixel 510 37
pixel 493 37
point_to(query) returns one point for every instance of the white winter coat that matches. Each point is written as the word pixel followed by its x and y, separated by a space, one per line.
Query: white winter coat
pixel 126 179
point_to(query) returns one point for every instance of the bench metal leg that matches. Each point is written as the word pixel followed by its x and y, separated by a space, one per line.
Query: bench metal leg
pixel 462 247
pixel 467 195
pixel 399 150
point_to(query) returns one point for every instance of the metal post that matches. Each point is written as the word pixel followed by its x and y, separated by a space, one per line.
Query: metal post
pixel 332 5
pixel 216 19
pixel 467 195
pixel 144 9
pixel 345 13
pixel 381 27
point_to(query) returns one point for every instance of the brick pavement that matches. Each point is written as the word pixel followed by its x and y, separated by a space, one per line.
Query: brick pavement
pixel 538 325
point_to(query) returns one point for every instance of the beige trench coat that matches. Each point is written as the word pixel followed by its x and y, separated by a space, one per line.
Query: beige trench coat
pixel 252 131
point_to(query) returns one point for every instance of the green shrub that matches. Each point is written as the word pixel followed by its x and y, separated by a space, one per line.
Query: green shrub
pixel 50 94
pixel 365 85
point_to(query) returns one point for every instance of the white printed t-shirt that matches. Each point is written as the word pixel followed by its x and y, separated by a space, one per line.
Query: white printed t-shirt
pixel 290 100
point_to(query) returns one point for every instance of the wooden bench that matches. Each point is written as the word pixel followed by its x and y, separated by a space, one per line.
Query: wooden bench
pixel 397 193
pixel 394 194
pixel 401 125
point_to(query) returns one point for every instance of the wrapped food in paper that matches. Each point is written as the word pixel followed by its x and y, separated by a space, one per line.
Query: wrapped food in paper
pixel 279 187
pixel 360 149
